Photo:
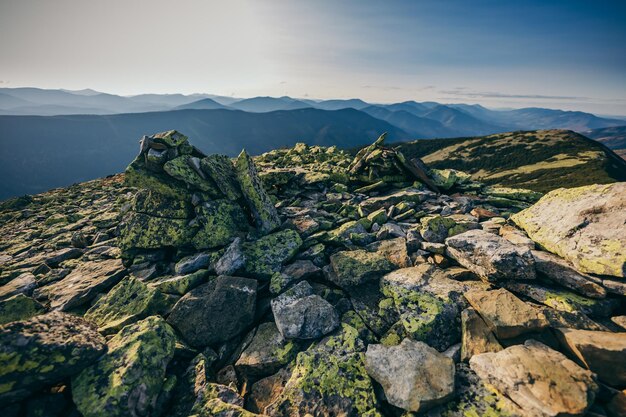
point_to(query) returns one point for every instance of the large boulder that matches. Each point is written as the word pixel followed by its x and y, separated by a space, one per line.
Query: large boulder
pixel 19 307
pixel 602 352
pixel 558 270
pixel 268 254
pixel 542 381
pixel 83 284
pixel 585 225
pixel 427 303
pixel 128 379
pixel 491 257
pixel 329 379
pixel 300 314
pixel 414 376
pixel 267 352
pixel 43 351
pixel 505 314
pixel 216 311
pixel 352 268
pixel 129 301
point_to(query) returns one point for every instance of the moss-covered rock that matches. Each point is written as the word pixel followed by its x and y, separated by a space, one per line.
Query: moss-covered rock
pixel 221 170
pixel 150 232
pixel 267 352
pixel 329 379
pixel 181 169
pixel 138 176
pixel 180 285
pixel 448 178
pixel 19 307
pixel 265 256
pixel 520 194
pixel 436 228
pixel 259 202
pixel 129 301
pixel 129 378
pixel 585 225
pixel 222 221
pixel 351 268
pixel 43 351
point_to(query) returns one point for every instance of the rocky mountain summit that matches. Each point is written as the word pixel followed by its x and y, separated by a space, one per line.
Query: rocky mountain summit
pixel 308 282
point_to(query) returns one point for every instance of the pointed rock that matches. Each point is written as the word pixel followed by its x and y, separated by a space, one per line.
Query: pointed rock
pixel 477 337
pixel 261 205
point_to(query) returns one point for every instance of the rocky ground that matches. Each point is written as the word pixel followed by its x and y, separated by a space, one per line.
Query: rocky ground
pixel 306 282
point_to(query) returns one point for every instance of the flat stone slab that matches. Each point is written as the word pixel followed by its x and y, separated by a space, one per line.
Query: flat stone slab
pixel 542 381
pixel 83 283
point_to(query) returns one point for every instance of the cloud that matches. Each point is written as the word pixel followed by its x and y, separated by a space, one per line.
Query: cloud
pixel 396 88
pixel 461 92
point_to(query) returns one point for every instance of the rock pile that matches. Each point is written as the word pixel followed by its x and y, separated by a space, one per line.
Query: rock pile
pixel 308 282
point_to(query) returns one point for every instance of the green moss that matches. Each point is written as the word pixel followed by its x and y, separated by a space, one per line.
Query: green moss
pixel 180 168
pixel 129 301
pixel 128 379
pixel 331 376
pixel 265 256
pixel 136 175
pixel 150 232
pixel 222 221
pixel 19 307
pixel 179 285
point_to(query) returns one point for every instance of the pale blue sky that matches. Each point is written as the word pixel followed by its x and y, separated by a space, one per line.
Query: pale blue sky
pixel 561 54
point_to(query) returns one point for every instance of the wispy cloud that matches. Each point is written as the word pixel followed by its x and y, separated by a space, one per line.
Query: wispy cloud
pixel 397 88
pixel 462 92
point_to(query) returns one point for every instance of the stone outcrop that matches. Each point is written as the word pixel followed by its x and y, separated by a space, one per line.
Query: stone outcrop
pixel 303 281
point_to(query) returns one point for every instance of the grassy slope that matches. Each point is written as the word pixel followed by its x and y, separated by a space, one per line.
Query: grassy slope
pixel 540 160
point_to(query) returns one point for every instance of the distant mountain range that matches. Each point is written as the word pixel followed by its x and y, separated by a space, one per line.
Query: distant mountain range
pixel 50 138
pixel 41 152
pixel 419 120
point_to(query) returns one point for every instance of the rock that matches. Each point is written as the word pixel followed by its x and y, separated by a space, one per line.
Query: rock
pixel 427 303
pixel 43 351
pixel 261 206
pixel 150 232
pixel 182 168
pixel 409 195
pixel 585 225
pixel 351 268
pixel 516 237
pixel 620 321
pixel 542 381
pixel 128 379
pixel 221 170
pixel 414 376
pixel 506 315
pixel 267 255
pixel 563 300
pixel 491 257
pixel 18 307
pixel 477 338
pixel 266 390
pixel 232 260
pixel 560 271
pixel 82 284
pixel 23 284
pixel 179 285
pixel 221 221
pixel 379 216
pixel 55 258
pixel 129 301
pixel 303 315
pixel 293 273
pixel 329 379
pixel 192 263
pixel 216 311
pixel 601 352
pixel 394 250
pixel 436 228
pixel 267 352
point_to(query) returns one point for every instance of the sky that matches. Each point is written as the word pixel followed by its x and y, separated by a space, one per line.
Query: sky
pixel 567 54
